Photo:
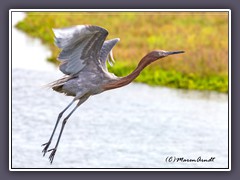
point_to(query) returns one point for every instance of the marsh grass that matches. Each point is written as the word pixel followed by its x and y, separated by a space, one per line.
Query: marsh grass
pixel 202 35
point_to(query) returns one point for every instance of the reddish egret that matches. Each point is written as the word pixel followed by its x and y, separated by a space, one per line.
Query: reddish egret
pixel 83 61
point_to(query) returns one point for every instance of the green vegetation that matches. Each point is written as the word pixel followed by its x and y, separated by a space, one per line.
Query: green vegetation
pixel 202 35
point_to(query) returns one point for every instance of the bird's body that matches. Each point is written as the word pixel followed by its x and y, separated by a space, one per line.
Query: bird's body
pixel 83 61
pixel 85 81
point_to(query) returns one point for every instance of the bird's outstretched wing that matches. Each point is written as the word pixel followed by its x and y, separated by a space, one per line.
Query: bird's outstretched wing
pixel 80 46
pixel 106 52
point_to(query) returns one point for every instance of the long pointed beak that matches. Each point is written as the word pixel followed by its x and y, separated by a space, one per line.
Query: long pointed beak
pixel 174 52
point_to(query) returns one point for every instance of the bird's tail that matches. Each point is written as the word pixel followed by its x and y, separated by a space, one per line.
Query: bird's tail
pixel 57 85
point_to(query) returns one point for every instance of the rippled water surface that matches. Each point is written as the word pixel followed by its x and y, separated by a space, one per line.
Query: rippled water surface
pixel 136 126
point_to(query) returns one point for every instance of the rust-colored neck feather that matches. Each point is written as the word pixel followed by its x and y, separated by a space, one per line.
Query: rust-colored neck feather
pixel 128 79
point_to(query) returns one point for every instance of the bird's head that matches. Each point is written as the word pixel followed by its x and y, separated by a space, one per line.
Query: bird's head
pixel 157 54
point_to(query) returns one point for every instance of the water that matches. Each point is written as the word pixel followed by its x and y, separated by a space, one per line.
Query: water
pixel 28 53
pixel 136 126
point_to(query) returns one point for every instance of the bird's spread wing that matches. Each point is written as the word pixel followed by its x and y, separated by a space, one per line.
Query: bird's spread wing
pixel 80 44
pixel 106 52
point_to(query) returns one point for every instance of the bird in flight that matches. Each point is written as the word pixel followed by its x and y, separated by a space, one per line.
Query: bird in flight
pixel 84 56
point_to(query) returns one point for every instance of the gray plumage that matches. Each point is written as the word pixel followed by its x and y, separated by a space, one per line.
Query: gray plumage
pixel 84 54
pixel 83 59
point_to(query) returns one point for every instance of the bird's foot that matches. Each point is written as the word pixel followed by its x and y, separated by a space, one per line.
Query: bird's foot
pixel 45 149
pixel 51 157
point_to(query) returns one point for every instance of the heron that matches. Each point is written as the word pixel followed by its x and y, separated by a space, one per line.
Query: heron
pixel 83 59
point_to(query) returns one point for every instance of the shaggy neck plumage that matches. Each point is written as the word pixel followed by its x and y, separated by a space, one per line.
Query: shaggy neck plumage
pixel 128 79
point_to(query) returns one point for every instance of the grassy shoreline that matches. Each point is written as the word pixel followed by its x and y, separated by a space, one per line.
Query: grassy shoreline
pixel 204 37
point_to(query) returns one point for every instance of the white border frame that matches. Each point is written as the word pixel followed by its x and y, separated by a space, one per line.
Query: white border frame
pixel 118 10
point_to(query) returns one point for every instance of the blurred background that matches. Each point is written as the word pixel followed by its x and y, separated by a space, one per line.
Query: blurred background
pixel 202 35
pixel 139 125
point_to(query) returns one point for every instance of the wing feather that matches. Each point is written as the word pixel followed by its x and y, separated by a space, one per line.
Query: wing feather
pixel 106 52
pixel 80 44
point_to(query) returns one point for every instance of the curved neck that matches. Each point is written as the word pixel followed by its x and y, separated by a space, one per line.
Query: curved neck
pixel 129 78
